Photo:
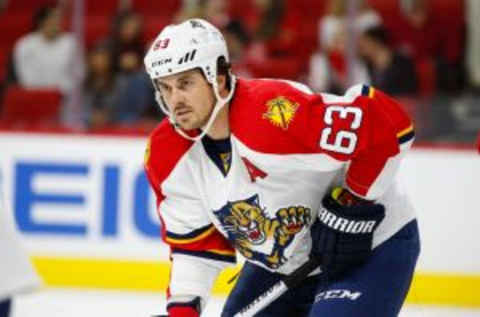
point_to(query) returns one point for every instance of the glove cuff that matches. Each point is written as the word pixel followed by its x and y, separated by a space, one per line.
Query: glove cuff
pixel 346 198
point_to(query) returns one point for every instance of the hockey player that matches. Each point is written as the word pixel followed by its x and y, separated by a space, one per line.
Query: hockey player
pixel 17 274
pixel 284 177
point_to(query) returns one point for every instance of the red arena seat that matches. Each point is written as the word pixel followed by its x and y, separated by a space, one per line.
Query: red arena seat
pixel 31 105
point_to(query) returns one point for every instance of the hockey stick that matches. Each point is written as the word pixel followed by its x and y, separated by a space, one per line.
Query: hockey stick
pixel 275 291
pixel 279 288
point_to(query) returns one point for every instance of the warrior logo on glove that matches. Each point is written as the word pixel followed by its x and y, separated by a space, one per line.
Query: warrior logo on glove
pixel 250 229
pixel 344 224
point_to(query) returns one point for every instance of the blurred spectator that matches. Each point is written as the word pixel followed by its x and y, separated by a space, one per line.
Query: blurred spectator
pixel 125 98
pixel 214 11
pixel 390 71
pixel 278 26
pixel 275 51
pixel 328 67
pixel 237 40
pixel 46 57
pixel 425 37
pixel 101 89
pixel 3 5
pixel 336 19
pixel 188 10
pixel 473 43
pixel 121 91
pixel 126 42
pixel 136 100
pixel 270 18
pixel 418 33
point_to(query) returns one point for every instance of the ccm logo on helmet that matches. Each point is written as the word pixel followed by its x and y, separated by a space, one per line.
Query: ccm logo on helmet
pixel 345 225
pixel 162 62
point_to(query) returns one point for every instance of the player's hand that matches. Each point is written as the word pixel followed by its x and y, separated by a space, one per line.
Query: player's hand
pixel 343 236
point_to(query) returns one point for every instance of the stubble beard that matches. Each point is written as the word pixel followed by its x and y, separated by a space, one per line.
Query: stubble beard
pixel 192 122
pixel 195 121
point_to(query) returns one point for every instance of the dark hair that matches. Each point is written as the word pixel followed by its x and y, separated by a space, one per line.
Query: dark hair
pixel 41 15
pixel 224 68
pixel 379 34
pixel 89 81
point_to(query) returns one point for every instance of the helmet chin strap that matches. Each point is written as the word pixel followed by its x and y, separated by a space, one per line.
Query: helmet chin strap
pixel 218 106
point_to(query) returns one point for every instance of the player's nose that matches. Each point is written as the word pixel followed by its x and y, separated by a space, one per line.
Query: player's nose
pixel 177 99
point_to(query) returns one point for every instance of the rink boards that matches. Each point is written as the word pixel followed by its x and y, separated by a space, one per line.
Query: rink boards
pixel 85 212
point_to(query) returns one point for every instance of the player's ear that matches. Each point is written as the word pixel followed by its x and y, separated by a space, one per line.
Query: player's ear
pixel 222 81
pixel 222 85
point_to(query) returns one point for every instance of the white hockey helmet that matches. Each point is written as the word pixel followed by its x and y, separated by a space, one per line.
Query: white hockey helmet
pixel 194 43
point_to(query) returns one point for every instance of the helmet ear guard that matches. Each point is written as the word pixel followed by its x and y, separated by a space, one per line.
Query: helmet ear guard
pixel 163 106
pixel 192 44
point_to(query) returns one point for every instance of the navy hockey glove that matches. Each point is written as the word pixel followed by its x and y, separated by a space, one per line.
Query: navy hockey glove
pixel 343 239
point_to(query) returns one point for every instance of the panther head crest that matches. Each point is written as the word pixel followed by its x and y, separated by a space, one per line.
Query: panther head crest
pixel 245 220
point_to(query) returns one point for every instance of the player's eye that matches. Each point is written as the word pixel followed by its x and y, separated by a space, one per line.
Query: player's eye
pixel 184 84
pixel 164 88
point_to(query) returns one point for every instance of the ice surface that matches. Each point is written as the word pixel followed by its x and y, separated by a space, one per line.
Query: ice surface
pixel 54 302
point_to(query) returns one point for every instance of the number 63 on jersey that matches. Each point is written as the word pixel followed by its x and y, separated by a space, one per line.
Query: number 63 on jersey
pixel 344 141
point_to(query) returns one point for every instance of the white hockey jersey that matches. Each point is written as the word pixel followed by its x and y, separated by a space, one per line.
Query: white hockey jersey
pixel 17 274
pixel 288 149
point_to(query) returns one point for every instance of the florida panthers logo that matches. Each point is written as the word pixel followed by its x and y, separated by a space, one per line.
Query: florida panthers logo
pixel 248 226
pixel 281 112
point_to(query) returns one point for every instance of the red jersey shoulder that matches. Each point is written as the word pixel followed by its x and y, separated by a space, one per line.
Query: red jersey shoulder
pixel 164 149
pixel 342 121
pixel 265 111
pixel 264 94
pixel 363 118
pixel 360 102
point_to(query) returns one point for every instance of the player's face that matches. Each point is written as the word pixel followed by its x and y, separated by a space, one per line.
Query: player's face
pixel 189 97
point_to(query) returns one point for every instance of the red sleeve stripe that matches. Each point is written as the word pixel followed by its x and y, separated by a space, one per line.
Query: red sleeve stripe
pixel 218 255
pixel 190 237
pixel 191 308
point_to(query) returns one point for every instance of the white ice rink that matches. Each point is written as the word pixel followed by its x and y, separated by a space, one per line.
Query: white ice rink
pixel 86 303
